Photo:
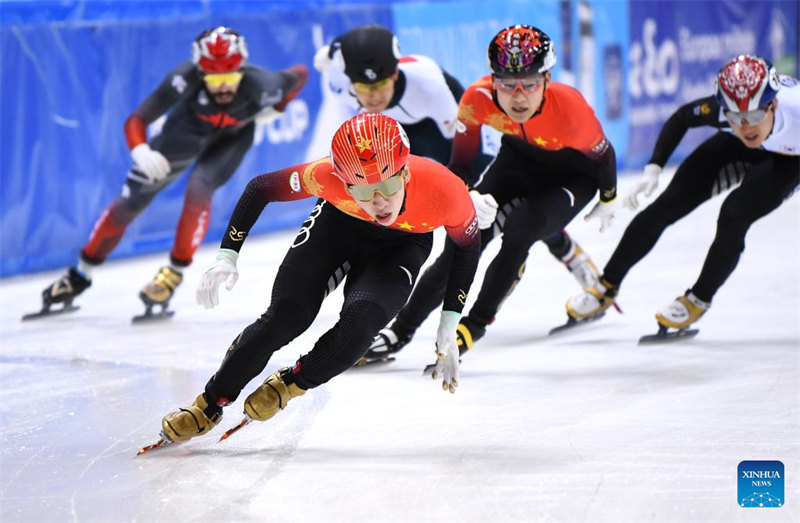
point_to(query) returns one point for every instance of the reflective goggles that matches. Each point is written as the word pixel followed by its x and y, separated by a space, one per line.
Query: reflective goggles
pixel 528 85
pixel 754 117
pixel 218 79
pixel 361 87
pixel 388 187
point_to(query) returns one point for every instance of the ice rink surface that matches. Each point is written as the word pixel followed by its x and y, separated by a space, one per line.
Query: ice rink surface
pixel 584 426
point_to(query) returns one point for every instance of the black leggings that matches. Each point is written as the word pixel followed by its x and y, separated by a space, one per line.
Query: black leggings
pixel 719 163
pixel 533 206
pixel 380 266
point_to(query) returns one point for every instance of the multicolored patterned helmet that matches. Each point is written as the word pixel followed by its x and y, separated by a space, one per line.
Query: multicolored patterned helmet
pixel 521 50
pixel 369 148
pixel 746 83
pixel 219 50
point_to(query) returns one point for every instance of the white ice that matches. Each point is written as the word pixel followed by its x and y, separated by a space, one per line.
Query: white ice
pixel 585 426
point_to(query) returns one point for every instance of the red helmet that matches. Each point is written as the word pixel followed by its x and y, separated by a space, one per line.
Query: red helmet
pixel 220 50
pixel 746 83
pixel 521 50
pixel 369 148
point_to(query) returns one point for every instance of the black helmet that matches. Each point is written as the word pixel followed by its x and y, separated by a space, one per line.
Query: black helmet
pixel 521 50
pixel 370 53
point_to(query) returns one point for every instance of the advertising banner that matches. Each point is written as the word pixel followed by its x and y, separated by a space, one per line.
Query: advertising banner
pixel 677 48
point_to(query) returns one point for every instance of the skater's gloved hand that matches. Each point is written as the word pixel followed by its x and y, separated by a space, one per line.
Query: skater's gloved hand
pixel 152 163
pixel 603 211
pixel 224 270
pixel 267 115
pixel 485 208
pixel 647 185
pixel 447 351
pixel 322 59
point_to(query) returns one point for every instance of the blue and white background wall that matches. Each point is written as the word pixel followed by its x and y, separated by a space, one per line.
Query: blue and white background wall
pixel 73 70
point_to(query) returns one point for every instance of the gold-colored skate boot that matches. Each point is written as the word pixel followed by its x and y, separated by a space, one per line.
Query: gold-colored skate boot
pixel 160 290
pixel 271 396
pixel 189 422
pixel 593 301
pixel 682 312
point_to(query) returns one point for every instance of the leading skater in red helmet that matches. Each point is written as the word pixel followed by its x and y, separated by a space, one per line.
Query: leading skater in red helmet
pixel 371 230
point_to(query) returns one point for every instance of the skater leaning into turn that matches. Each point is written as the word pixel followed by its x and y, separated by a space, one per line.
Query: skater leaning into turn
pixel 373 230
pixel 367 72
pixel 553 159
pixel 758 112
pixel 214 101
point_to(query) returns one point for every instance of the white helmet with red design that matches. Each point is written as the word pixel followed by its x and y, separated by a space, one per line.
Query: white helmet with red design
pixel 369 148
pixel 747 83
pixel 219 50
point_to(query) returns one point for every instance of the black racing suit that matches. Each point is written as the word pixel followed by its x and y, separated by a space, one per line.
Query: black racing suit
pixel 197 129
pixel 721 162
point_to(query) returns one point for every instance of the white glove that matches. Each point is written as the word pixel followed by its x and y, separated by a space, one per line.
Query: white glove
pixel 321 59
pixel 647 185
pixel 603 211
pixel 485 208
pixel 267 115
pixel 447 351
pixel 151 163
pixel 224 270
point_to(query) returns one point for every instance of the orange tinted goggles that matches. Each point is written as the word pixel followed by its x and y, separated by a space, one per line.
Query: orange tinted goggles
pixel 527 85
pixel 388 187
pixel 361 87
pixel 218 79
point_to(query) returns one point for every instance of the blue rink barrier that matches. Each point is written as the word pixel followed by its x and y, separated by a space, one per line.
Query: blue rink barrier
pixel 74 70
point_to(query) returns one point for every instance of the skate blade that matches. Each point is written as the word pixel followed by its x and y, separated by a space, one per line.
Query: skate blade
pixel 160 444
pixel 50 312
pixel 233 430
pixel 152 317
pixel 667 336
pixel 572 323
pixel 365 362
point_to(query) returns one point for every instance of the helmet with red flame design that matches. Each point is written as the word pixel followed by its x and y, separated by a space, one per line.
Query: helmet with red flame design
pixel 219 50
pixel 369 148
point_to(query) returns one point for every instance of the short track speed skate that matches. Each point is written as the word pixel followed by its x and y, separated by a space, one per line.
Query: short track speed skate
pixel 47 311
pixel 575 322
pixel 62 291
pixel 675 319
pixel 157 294
pixel 664 334
pixel 385 344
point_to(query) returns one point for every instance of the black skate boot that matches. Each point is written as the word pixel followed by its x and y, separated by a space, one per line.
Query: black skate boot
pixel 386 343
pixel 467 333
pixel 158 293
pixel 63 290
